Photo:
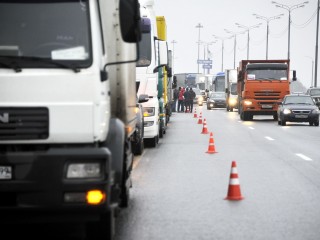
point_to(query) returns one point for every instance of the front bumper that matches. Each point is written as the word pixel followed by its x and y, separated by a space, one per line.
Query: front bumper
pixel 300 118
pixel 39 186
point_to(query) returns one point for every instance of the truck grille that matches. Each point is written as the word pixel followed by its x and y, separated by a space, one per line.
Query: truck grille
pixel 267 95
pixel 24 123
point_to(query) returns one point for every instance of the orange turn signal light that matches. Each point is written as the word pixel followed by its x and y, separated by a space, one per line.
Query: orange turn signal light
pixel 95 197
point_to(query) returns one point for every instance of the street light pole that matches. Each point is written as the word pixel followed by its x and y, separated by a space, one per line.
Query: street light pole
pixel 289 9
pixel 199 26
pixel 268 19
pixel 248 28
pixel 173 42
pixel 234 35
pixel 316 54
pixel 311 70
pixel 222 48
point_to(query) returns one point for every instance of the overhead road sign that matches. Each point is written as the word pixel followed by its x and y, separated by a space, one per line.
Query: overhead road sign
pixel 204 62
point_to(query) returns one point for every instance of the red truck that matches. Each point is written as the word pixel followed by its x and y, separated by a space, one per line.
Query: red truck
pixel 262 84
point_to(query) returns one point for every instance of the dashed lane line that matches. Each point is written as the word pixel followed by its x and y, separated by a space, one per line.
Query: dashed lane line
pixel 269 138
pixel 304 157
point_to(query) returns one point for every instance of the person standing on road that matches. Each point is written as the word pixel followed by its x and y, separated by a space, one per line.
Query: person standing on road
pixel 181 100
pixel 192 96
pixel 187 99
pixel 175 99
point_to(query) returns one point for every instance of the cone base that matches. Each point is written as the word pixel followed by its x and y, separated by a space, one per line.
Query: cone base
pixel 204 132
pixel 234 198
pixel 211 152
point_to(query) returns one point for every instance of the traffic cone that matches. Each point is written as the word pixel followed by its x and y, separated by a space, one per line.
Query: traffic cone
pixel 234 192
pixel 204 128
pixel 195 113
pixel 200 118
pixel 211 148
pixel 187 110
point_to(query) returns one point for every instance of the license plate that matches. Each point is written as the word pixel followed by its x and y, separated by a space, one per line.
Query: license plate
pixel 301 116
pixel 5 172
pixel 268 106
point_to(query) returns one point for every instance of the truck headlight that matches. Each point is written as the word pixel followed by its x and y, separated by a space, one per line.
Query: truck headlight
pixel 148 123
pixel 148 111
pixel 247 103
pixel 232 101
pixel 84 170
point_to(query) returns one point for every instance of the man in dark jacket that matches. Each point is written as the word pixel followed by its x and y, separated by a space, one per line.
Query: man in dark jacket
pixel 175 99
pixel 192 96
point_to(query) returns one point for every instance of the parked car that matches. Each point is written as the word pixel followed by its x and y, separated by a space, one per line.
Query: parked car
pixel 298 108
pixel 138 142
pixel 216 100
pixel 314 92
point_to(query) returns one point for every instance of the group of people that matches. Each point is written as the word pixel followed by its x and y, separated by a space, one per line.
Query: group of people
pixel 184 97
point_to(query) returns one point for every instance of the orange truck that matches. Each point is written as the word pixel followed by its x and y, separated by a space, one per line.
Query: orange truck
pixel 262 84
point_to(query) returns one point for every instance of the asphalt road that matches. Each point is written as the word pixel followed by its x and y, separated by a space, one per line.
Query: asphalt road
pixel 179 190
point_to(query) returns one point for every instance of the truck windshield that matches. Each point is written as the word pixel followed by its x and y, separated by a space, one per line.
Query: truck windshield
pixel 201 86
pixel 56 31
pixel 268 74
pixel 219 84
pixel 314 92
pixel 234 89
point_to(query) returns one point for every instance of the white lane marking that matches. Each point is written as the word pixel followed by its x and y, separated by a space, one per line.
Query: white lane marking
pixel 303 157
pixel 269 138
pixel 251 128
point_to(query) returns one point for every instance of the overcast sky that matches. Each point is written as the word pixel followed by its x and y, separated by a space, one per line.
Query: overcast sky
pixel 183 16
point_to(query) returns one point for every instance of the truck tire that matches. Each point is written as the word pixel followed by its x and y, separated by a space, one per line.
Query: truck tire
pixel 154 141
pixel 161 127
pixel 242 115
pixel 126 183
pixel 103 229
pixel 138 148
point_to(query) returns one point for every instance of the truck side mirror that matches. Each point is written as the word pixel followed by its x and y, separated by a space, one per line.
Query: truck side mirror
pixel 143 98
pixel 129 12
pixel 169 71
pixel 294 75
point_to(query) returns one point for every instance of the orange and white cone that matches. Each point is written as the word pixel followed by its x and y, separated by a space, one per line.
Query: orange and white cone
pixel 204 128
pixel 195 113
pixel 211 148
pixel 234 192
pixel 200 118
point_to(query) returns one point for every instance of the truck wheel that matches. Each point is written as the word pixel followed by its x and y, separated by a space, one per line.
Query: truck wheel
pixel 275 116
pixel 153 141
pixel 242 115
pixel 103 229
pixel 161 129
pixel 138 148
pixel 126 177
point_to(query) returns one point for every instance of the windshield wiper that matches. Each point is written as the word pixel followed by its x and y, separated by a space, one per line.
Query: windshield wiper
pixel 50 61
pixel 12 65
pixel 36 59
